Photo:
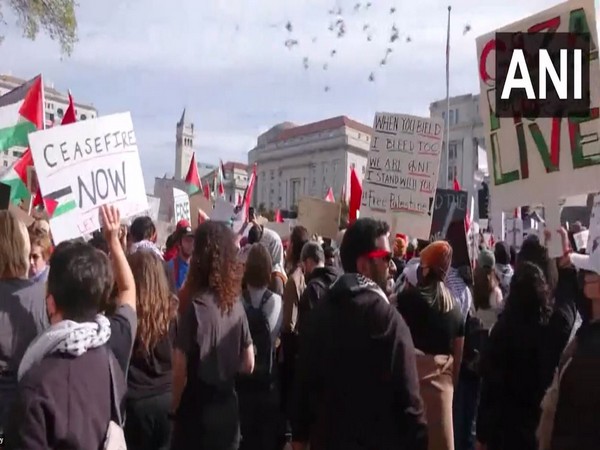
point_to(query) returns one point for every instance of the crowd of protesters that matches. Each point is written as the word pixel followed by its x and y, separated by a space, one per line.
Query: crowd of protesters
pixel 229 341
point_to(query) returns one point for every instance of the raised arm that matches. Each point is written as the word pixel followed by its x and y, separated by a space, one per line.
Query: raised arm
pixel 111 220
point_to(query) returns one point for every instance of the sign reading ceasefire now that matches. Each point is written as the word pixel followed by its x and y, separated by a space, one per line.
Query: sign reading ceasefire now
pixel 541 149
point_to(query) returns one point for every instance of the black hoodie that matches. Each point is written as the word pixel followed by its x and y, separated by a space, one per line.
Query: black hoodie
pixel 357 385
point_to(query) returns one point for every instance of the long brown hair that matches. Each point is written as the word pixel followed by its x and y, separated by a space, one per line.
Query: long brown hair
pixel 155 309
pixel 214 264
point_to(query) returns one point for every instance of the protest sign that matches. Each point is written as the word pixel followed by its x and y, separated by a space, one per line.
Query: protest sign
pixel 85 165
pixel 223 211
pixel 540 159
pixel 281 228
pixel 153 207
pixel 181 205
pixel 199 202
pixel 447 200
pixel 401 177
pixel 581 239
pixel 319 216
pixel 514 231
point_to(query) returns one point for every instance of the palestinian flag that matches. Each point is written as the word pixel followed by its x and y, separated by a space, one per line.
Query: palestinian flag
pixel 192 180
pixel 60 202
pixel 21 112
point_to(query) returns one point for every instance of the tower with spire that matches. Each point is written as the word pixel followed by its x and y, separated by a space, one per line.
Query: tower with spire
pixel 184 148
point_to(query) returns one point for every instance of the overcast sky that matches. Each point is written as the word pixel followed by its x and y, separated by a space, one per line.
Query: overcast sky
pixel 225 60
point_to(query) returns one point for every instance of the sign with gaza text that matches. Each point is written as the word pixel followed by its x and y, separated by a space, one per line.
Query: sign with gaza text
pixel 401 178
pixel 181 206
pixel 85 165
pixel 542 147
pixel 449 206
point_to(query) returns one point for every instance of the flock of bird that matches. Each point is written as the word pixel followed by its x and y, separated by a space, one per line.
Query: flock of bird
pixel 338 28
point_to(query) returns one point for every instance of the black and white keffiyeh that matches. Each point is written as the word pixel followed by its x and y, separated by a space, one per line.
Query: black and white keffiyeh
pixel 69 337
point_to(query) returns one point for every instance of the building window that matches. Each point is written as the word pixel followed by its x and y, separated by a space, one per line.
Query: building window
pixel 60 112
pixel 359 135
pixel 83 117
pixel 363 170
pixel 452 173
pixel 451 117
pixel 5 163
pixel 272 174
pixel 452 150
pixel 444 116
pixel 456 116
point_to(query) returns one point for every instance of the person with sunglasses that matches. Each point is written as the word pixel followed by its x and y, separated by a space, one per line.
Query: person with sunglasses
pixel 357 358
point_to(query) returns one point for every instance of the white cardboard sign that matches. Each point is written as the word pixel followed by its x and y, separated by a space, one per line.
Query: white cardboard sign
pixel 181 205
pixel 542 159
pixel 401 178
pixel 85 165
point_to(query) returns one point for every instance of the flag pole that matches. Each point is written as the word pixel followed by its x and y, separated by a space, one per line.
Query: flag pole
pixel 447 152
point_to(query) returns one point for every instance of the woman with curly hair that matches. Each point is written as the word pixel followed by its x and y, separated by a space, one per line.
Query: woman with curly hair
pixel 213 345
pixel 512 364
pixel 150 373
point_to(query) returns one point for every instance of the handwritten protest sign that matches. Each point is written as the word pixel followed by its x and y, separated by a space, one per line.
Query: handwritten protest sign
pixel 399 185
pixel 543 159
pixel 319 216
pixel 85 165
pixel 181 205
pixel 445 199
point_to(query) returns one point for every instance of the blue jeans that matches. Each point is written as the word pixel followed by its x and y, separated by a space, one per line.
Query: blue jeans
pixel 466 401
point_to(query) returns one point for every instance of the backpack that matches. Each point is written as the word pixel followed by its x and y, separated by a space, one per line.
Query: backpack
pixel 115 437
pixel 260 330
pixel 549 403
pixel 476 338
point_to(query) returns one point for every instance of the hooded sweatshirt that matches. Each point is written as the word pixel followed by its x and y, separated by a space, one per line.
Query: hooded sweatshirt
pixel 357 384
pixel 317 285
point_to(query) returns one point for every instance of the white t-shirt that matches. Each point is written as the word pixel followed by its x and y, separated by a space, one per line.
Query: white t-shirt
pixel 489 316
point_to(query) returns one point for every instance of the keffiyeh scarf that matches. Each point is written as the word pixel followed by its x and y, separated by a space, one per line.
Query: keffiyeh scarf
pixel 68 337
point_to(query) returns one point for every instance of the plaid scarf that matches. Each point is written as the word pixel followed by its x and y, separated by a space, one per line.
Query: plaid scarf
pixel 68 337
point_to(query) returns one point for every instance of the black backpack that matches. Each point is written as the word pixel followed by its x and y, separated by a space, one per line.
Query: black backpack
pixel 261 337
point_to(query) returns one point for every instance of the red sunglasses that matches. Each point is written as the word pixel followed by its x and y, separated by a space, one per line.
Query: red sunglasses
pixel 380 254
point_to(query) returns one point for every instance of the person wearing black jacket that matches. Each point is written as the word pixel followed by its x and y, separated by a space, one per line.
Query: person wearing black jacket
pixel 319 278
pixel 357 385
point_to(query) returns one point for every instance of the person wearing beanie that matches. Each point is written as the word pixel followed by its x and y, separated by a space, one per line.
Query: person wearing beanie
pixel 437 327
pixel 503 268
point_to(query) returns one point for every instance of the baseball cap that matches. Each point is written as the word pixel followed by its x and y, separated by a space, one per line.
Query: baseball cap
pixel 187 231
pixel 183 224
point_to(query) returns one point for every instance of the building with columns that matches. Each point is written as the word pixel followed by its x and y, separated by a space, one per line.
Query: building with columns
pixel 465 159
pixel 306 160
pixel 235 180
pixel 55 106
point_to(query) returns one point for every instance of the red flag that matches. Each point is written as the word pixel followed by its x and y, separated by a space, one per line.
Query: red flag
pixel 206 188
pixel 278 217
pixel 69 116
pixel 221 189
pixel 355 197
pixel 329 197
pixel 33 105
pixel 192 179
pixel 37 200
pixel 456 185
pixel 249 192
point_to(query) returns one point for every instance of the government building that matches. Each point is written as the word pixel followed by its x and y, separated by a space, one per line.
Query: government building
pixel 56 104
pixel 294 161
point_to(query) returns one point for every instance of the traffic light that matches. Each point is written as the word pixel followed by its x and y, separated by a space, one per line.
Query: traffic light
pixel 483 201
